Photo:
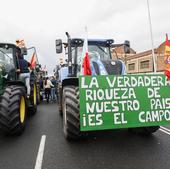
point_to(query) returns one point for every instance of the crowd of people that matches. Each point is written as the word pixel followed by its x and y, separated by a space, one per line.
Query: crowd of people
pixel 47 85
pixel 48 88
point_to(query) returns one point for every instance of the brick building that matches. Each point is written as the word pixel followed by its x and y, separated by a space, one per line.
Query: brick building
pixel 141 62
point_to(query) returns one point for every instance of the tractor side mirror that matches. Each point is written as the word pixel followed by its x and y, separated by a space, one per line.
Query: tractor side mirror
pixel 127 46
pixel 59 47
pixel 24 51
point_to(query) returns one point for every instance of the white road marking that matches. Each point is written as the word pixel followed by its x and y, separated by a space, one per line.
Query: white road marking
pixel 164 128
pixel 164 131
pixel 40 154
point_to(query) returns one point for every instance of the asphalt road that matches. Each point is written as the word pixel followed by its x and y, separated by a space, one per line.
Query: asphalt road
pixel 117 149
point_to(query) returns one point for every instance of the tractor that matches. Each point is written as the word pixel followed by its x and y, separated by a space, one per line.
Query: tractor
pixel 14 104
pixel 101 63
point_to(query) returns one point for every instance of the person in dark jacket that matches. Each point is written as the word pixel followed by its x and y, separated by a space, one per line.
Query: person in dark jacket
pixel 53 89
pixel 25 72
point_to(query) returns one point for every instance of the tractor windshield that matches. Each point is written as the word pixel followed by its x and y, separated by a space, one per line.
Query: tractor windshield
pixel 6 55
pixel 95 51
pixel 99 52
pixel 6 59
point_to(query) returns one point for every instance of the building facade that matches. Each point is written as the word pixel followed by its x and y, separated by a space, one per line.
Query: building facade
pixel 141 62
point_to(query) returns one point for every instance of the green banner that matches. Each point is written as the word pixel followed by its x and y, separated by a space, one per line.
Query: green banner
pixel 110 102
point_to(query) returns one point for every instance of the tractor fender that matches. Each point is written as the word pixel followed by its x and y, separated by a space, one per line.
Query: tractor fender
pixel 70 81
pixel 16 82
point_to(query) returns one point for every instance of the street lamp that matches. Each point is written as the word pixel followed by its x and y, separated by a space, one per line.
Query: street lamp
pixel 151 34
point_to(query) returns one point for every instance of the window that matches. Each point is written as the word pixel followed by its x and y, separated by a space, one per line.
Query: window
pixel 144 64
pixel 131 66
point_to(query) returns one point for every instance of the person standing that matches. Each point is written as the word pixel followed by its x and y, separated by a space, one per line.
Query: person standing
pixel 47 87
pixel 24 73
pixel 53 89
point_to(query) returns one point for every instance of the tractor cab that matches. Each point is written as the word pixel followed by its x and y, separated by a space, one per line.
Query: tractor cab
pixel 9 54
pixel 99 52
pixel 99 49
pixel 100 55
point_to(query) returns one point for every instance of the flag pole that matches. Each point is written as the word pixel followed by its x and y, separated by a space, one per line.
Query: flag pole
pixel 84 48
pixel 85 67
pixel 86 36
pixel 151 34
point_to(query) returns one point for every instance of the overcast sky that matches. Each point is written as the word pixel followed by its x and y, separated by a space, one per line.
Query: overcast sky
pixel 40 22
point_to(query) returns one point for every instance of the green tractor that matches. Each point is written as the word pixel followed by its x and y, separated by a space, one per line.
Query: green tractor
pixel 14 104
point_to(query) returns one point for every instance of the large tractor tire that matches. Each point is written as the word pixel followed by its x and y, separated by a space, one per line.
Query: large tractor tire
pixel 71 113
pixel 13 110
pixel 145 130
pixel 33 98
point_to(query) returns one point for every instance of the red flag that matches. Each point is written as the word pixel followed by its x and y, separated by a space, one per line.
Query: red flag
pixel 86 65
pixel 86 60
pixel 167 58
pixel 33 61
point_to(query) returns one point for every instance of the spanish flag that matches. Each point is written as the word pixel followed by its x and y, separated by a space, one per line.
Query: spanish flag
pixel 167 58
pixel 167 46
pixel 33 61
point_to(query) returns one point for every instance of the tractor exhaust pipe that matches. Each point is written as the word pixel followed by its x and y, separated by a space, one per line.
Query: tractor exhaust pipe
pixel 69 54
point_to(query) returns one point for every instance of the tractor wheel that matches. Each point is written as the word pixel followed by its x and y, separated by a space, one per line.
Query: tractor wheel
pixel 33 98
pixel 13 110
pixel 71 113
pixel 145 130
